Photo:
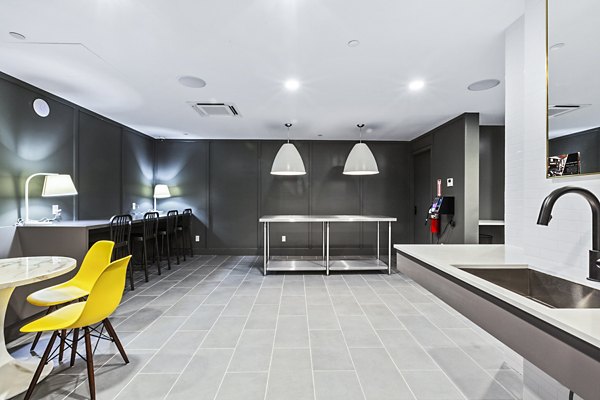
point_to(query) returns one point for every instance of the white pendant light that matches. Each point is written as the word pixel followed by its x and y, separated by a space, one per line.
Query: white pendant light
pixel 288 161
pixel 360 161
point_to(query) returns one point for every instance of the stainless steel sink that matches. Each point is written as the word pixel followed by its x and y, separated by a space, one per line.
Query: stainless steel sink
pixel 548 290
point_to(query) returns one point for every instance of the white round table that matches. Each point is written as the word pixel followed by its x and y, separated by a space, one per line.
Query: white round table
pixel 15 375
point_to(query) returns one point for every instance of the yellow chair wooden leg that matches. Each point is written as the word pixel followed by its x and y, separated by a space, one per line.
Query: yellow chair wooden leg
pixel 113 334
pixel 61 349
pixel 40 368
pixel 74 345
pixel 89 357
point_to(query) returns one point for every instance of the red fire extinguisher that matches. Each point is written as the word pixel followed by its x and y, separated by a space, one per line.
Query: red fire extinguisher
pixel 434 224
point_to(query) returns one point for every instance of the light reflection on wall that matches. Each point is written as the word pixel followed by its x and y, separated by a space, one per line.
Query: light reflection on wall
pixel 144 164
pixel 30 147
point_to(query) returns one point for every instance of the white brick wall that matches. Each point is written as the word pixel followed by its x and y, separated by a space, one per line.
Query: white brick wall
pixel 562 247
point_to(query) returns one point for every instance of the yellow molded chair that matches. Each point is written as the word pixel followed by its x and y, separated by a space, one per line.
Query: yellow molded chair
pixel 102 301
pixel 96 259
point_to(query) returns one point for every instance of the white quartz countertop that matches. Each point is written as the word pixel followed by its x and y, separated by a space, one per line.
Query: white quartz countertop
pixel 24 270
pixel 581 323
pixel 326 218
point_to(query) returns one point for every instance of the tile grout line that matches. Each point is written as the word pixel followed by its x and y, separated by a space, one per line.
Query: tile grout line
pixel 274 336
pixel 312 367
pixel 212 326
pixel 337 317
pixel 458 347
pixel 415 340
pixel 242 331
pixel 165 342
pixel 377 334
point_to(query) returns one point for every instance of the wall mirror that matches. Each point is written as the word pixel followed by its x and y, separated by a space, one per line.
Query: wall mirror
pixel 573 126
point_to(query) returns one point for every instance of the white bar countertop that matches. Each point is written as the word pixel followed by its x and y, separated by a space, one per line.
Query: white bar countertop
pixel 326 218
pixel 90 223
pixel 581 323
pixel 87 223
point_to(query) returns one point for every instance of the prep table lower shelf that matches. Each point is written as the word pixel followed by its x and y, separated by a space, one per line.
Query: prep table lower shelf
pixel 358 265
pixel 334 265
pixel 326 264
pixel 294 265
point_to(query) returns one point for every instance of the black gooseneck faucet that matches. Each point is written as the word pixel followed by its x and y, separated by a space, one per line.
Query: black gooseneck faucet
pixel 546 214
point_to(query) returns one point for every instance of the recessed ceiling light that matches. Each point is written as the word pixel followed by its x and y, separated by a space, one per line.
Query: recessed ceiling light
pixel 353 43
pixel 485 84
pixel 191 81
pixel 17 35
pixel 41 108
pixel 369 130
pixel 292 85
pixel 416 85
pixel 557 46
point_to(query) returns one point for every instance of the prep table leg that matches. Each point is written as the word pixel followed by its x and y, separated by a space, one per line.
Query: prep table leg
pixel 324 244
pixel 389 248
pixel 268 241
pixel 327 262
pixel 264 248
pixel 377 240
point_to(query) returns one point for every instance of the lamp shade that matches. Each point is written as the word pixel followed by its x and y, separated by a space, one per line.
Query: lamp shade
pixel 161 192
pixel 360 161
pixel 58 185
pixel 288 161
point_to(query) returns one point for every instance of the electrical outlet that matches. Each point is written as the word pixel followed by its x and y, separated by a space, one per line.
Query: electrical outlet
pixel 55 209
pixel 283 238
pixel 449 182
pixel 197 238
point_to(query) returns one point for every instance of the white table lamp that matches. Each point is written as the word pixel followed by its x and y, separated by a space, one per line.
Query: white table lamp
pixel 55 185
pixel 161 192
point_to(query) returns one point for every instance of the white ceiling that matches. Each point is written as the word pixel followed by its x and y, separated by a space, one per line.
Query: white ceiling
pixel 573 69
pixel 122 58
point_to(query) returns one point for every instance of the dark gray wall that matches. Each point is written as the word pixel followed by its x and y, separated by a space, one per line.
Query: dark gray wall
pixel 233 190
pixel 491 172
pixel 587 143
pixel 184 166
pixel 30 144
pixel 229 184
pixel 137 170
pixel 455 154
pixel 111 164
pixel 491 182
pixel 99 173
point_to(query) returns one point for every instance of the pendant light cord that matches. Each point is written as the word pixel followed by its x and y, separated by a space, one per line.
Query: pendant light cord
pixel 360 126
pixel 288 126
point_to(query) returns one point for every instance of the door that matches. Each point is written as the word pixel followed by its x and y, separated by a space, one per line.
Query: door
pixel 422 195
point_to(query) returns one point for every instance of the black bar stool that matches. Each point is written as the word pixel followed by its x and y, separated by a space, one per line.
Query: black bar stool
pixel 149 234
pixel 169 236
pixel 185 228
pixel 120 233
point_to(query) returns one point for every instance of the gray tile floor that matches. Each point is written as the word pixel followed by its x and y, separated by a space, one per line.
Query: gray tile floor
pixel 215 328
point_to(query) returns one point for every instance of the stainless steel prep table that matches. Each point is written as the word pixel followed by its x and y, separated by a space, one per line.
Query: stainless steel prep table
pixel 326 265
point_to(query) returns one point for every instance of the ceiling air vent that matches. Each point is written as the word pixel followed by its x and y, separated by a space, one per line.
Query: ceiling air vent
pixel 562 109
pixel 215 109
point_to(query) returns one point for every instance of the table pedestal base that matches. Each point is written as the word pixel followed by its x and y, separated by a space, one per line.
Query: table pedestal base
pixel 15 375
